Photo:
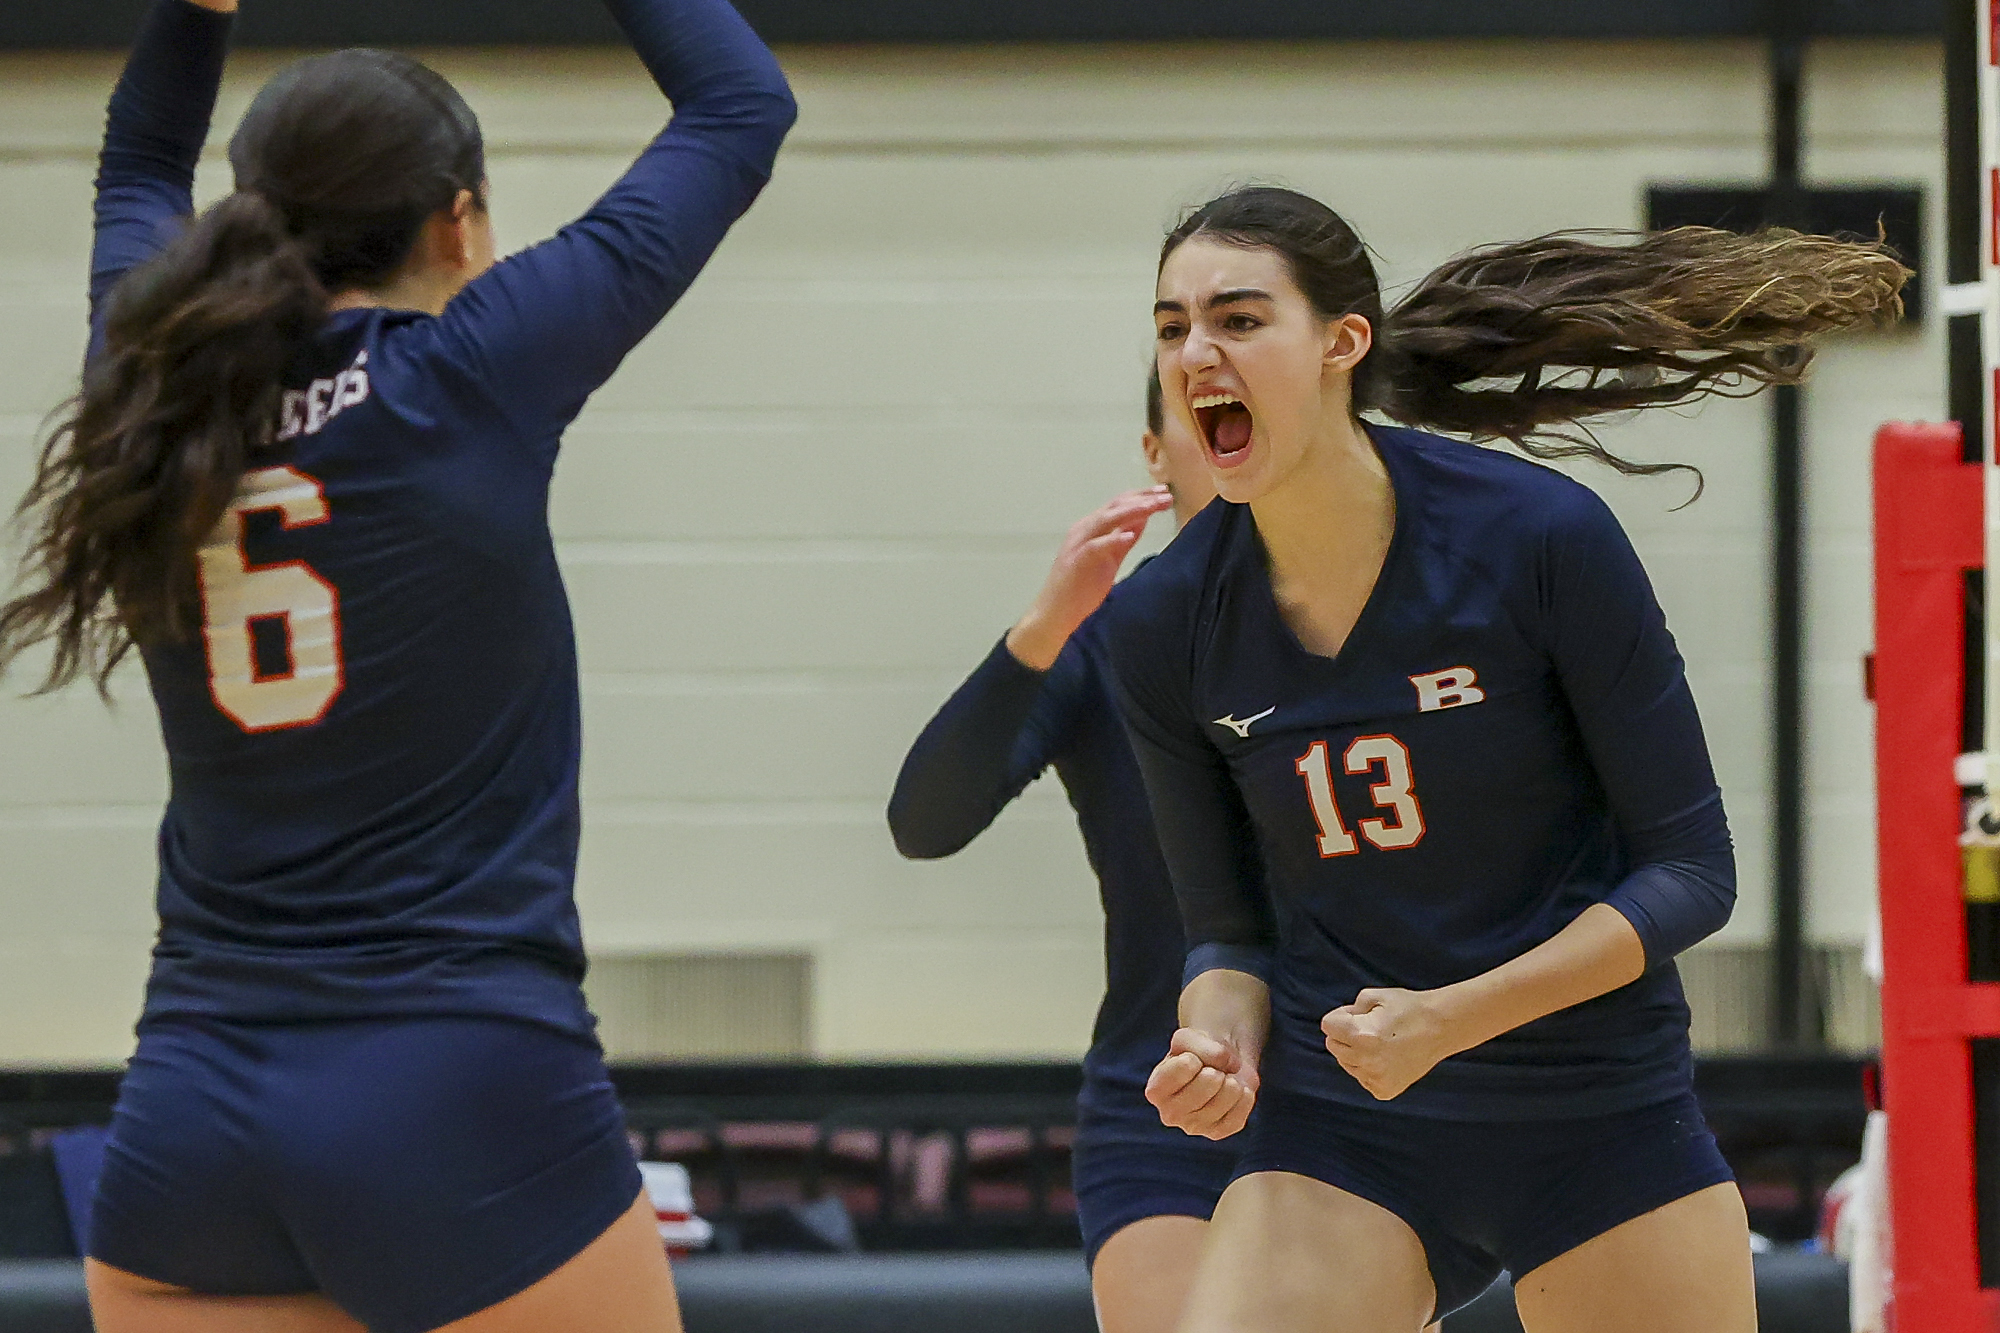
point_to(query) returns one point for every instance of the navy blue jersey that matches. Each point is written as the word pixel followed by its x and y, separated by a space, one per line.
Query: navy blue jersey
pixel 374 746
pixel 1002 728
pixel 1506 738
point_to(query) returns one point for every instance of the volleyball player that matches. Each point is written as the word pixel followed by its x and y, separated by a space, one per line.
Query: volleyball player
pixel 307 479
pixel 1042 699
pixel 1421 691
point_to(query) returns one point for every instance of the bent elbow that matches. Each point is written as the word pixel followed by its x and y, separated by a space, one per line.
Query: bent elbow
pixel 780 107
pixel 1714 885
pixel 1721 904
pixel 912 847
pixel 754 120
pixel 916 839
pixel 1674 905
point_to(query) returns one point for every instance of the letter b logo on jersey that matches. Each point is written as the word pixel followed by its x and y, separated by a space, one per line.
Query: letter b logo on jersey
pixel 1447 689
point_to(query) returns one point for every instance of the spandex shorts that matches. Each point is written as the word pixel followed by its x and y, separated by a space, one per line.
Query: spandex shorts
pixel 1489 1196
pixel 415 1171
pixel 1119 1183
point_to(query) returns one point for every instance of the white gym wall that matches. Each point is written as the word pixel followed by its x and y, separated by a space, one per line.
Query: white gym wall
pixel 813 501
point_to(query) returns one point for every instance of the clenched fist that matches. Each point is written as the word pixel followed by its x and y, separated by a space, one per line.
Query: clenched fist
pixel 1388 1039
pixel 1204 1087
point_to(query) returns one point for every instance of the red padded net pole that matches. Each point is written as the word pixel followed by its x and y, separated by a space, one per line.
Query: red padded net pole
pixel 1928 532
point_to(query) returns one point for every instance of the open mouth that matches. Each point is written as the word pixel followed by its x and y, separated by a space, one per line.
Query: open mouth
pixel 1225 425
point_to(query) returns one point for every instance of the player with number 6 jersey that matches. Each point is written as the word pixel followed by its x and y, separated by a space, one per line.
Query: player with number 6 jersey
pixel 308 480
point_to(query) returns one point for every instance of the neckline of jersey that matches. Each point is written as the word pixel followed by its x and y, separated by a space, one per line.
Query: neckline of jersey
pixel 1402 487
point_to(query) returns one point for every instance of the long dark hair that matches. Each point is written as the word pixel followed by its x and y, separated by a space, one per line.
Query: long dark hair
pixel 339 161
pixel 1527 341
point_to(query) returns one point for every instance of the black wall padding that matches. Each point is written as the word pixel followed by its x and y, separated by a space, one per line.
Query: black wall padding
pixel 904 1293
pixel 287 23
pixel 34 1224
pixel 954 1293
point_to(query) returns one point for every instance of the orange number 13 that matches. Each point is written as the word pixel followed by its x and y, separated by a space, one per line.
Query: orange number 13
pixel 1404 824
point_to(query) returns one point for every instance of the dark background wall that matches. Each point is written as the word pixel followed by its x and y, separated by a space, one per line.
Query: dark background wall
pixel 584 22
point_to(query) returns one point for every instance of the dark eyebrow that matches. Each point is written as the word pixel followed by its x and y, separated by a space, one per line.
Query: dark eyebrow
pixel 1230 297
pixel 1235 294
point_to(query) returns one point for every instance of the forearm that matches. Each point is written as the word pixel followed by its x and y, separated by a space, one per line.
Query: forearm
pixel 1036 641
pixel 154 131
pixel 218 6
pixel 971 759
pixel 1592 956
pixel 160 112
pixel 1038 637
pixel 1233 1007
pixel 708 62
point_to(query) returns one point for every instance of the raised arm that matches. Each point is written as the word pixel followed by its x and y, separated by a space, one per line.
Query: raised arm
pixel 1011 717
pixel 549 325
pixel 153 135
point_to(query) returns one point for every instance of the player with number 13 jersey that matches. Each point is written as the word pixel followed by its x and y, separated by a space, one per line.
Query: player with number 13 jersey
pixel 1427 773
pixel 1451 789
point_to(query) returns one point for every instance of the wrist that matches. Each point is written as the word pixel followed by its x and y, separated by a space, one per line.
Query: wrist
pixel 1035 643
pixel 1463 1013
pixel 1231 1006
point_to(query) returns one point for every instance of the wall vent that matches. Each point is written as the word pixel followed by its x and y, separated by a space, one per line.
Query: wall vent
pixel 1728 988
pixel 702 1006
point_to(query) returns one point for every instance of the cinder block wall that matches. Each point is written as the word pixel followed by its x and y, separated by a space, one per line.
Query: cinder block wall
pixel 814 499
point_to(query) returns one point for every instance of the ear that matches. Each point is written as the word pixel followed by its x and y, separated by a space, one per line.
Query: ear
pixel 1348 340
pixel 464 209
pixel 1156 457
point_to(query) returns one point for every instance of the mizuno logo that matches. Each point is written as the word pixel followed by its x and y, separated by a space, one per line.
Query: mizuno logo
pixel 1242 728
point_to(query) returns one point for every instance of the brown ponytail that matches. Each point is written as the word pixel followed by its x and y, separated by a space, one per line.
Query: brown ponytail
pixel 148 457
pixel 1527 342
pixel 338 162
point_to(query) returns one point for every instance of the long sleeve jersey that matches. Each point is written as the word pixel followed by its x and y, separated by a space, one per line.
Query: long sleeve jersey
pixel 1002 728
pixel 374 744
pixel 1506 738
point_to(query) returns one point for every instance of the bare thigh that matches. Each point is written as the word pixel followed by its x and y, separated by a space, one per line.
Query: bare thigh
pixel 1142 1274
pixel 1289 1254
pixel 121 1302
pixel 1684 1268
pixel 620 1283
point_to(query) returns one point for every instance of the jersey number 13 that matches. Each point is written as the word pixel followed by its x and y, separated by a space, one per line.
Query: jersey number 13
pixel 287 599
pixel 1403 822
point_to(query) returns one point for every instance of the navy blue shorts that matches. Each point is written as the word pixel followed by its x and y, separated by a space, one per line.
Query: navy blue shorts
pixel 1489 1196
pixel 415 1171
pixel 1125 1181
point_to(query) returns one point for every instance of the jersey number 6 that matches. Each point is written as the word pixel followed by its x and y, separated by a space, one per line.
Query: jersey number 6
pixel 1393 793
pixel 237 596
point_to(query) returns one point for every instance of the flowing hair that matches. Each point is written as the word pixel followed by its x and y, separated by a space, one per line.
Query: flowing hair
pixel 1529 341
pixel 339 161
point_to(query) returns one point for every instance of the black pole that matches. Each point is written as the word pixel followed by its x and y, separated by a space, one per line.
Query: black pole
pixel 1792 1022
pixel 1966 396
pixel 1965 388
